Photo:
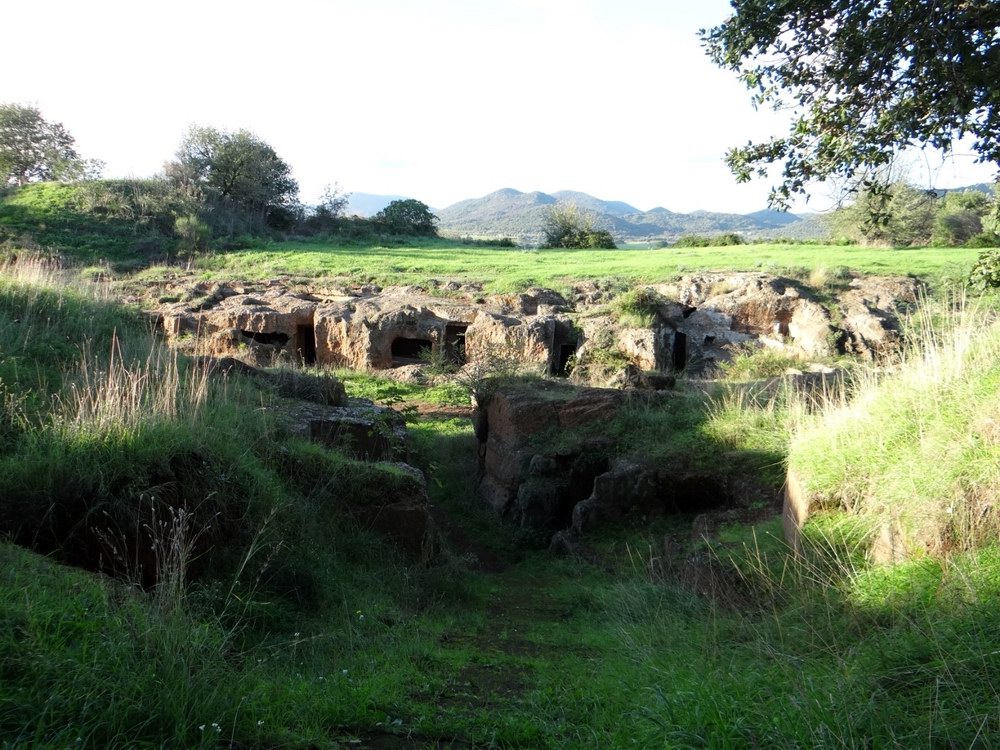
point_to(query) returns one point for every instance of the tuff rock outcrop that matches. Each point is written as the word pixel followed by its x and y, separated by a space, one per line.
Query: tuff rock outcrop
pixel 546 464
pixel 694 322
pixel 368 328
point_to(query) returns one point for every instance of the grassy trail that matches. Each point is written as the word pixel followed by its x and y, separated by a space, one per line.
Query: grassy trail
pixel 530 660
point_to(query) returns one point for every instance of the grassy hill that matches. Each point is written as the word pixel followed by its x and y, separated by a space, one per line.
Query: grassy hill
pixel 127 221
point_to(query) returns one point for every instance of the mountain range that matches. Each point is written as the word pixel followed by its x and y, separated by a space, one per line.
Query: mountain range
pixel 511 213
pixel 521 216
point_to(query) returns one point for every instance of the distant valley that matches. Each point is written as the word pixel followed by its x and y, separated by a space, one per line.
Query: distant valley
pixel 521 216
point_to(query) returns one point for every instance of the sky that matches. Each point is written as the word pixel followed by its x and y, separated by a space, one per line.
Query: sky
pixel 439 100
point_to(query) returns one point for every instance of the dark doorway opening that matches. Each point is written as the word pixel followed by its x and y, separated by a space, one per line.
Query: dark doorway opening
pixel 271 339
pixel 454 342
pixel 305 343
pixel 407 351
pixel 577 482
pixel 695 494
pixel 561 366
pixel 678 355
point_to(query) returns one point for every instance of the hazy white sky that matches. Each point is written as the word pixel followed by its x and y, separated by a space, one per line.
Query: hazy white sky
pixel 436 99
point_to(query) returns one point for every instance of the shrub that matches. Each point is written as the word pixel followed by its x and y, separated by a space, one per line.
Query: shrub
pixel 407 217
pixel 986 272
pixel 983 239
pixel 719 240
pixel 568 227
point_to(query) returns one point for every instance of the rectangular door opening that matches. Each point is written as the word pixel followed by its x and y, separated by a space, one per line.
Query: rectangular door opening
pixel 305 343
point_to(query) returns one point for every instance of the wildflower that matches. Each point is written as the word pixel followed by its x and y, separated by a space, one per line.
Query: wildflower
pixel 260 722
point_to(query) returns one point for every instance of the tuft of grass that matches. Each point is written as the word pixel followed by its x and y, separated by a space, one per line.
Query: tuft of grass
pixel 758 363
pixel 637 307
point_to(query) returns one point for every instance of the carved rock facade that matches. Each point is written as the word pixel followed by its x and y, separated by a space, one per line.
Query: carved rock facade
pixel 697 321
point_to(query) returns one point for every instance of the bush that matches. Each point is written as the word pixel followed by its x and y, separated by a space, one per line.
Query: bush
pixel 719 240
pixel 983 239
pixel 566 226
pixel 986 272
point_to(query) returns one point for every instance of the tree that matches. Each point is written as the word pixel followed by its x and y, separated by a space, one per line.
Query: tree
pixel 865 78
pixel 960 217
pixel 328 214
pixel 567 226
pixel 237 176
pixel 898 215
pixel 332 204
pixel 409 217
pixel 31 148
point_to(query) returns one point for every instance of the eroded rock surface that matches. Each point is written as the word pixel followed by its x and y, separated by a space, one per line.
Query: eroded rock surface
pixel 546 462
pixel 508 430
pixel 872 310
pixel 697 321
pixel 368 328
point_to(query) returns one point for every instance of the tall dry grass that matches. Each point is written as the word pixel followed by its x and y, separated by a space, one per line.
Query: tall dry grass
pixel 114 392
pixel 906 443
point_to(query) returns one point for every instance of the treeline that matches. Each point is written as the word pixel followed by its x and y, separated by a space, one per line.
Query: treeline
pixel 901 215
pixel 220 189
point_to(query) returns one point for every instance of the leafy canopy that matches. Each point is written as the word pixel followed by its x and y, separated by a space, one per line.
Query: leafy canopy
pixel 34 149
pixel 234 170
pixel 865 79
pixel 408 217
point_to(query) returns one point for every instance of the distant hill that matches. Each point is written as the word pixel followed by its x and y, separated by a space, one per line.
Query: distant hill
pixel 504 213
pixel 979 187
pixel 511 213
pixel 590 203
pixel 770 217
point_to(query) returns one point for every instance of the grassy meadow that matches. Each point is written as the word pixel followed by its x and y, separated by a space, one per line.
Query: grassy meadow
pixel 275 620
pixel 512 270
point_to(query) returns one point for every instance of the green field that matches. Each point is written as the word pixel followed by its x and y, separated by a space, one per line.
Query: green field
pixel 505 270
